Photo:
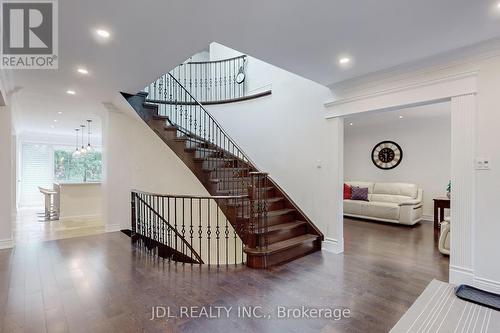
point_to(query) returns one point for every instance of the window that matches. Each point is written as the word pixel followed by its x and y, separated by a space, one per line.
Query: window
pixel 43 164
pixel 35 171
pixel 86 168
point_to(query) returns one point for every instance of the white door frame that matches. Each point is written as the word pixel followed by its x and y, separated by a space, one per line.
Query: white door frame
pixel 461 90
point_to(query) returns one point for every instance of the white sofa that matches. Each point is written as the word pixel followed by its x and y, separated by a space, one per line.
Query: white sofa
pixel 444 238
pixel 388 202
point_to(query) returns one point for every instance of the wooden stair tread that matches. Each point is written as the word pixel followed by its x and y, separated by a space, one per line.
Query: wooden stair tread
pixel 269 201
pixel 283 226
pixel 276 212
pixel 159 117
pixel 231 179
pixel 241 190
pixel 283 245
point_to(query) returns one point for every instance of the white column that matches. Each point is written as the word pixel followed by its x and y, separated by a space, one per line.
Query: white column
pixel 5 178
pixel 334 236
pixel 463 182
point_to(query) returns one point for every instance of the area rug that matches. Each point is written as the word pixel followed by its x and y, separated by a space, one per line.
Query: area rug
pixel 437 309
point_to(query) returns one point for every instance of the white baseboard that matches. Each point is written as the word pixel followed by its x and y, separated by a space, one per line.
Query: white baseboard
pixel 80 217
pixel 428 218
pixel 333 245
pixel 487 284
pixel 461 275
pixel 112 227
pixel 6 244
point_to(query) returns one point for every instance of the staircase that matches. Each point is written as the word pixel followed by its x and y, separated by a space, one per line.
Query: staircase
pixel 273 229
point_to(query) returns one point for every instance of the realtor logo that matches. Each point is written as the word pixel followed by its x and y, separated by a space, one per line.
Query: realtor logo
pixel 29 34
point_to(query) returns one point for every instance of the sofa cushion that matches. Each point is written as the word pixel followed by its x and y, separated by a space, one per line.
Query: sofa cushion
pixel 362 184
pixel 381 210
pixel 402 189
pixel 347 192
pixel 397 199
pixel 359 193
pixel 353 207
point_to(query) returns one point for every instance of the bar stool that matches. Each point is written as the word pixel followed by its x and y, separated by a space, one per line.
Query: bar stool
pixel 51 213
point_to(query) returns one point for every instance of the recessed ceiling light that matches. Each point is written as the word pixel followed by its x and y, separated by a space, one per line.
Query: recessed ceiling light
pixel 350 124
pixel 55 120
pixel 70 92
pixel 60 112
pixel 103 33
pixel 82 71
pixel 401 117
pixel 344 60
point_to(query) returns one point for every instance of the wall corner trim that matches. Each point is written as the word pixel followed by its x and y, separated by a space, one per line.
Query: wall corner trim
pixel 6 244
pixel 487 284
pixel 333 245
pixel 112 228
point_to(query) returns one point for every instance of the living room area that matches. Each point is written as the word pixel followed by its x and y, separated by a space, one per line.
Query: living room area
pixel 397 187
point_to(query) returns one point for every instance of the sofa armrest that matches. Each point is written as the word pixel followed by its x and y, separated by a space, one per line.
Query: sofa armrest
pixel 416 201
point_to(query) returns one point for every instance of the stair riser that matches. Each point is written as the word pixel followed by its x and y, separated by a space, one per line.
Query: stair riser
pixel 274 220
pixel 206 153
pixel 278 236
pixel 275 205
pixel 217 164
pixel 278 258
pixel 221 173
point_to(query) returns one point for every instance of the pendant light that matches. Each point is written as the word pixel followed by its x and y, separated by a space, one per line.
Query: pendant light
pixel 83 151
pixel 89 127
pixel 76 153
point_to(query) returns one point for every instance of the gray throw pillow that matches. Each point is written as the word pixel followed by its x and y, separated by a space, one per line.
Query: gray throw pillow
pixel 359 193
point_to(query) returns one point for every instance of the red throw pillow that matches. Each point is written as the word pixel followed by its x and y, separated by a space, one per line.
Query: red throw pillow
pixel 347 192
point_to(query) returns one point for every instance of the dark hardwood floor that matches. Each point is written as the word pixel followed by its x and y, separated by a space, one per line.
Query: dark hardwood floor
pixel 101 284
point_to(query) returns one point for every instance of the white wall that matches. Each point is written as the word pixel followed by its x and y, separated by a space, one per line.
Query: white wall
pixel 286 135
pixel 136 158
pixel 426 145
pixel 5 177
pixel 485 269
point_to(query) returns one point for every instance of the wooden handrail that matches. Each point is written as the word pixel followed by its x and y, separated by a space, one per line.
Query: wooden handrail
pixel 191 196
pixel 225 101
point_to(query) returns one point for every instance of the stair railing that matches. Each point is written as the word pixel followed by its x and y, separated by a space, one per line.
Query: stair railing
pixel 185 112
pixel 232 171
pixel 191 229
pixel 208 81
pixel 258 223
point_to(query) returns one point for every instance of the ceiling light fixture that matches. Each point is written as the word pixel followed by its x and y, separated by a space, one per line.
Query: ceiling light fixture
pixel 103 33
pixel 83 151
pixel 70 92
pixel 76 153
pixel 344 60
pixel 401 117
pixel 60 112
pixel 82 71
pixel 55 120
pixel 350 124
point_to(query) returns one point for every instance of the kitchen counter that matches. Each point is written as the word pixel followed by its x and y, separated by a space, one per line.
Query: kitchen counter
pixel 78 200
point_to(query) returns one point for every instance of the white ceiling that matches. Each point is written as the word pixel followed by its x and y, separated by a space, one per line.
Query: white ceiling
pixel 149 37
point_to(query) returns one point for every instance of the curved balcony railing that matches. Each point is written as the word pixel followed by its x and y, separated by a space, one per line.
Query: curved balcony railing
pixel 209 82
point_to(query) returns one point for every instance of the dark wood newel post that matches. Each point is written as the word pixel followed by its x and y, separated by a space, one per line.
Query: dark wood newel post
pixel 133 213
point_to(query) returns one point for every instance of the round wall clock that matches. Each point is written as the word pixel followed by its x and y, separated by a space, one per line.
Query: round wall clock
pixel 387 155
